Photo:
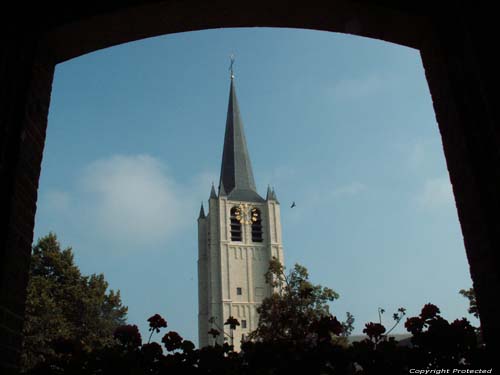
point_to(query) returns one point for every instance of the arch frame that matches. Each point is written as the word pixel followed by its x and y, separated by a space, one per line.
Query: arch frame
pixel 454 42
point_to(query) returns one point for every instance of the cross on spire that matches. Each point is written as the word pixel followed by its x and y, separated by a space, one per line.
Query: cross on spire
pixel 231 66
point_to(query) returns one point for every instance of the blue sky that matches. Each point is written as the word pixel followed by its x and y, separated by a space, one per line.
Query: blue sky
pixel 342 125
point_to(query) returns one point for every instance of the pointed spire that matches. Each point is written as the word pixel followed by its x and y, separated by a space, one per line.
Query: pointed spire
pixel 274 197
pixel 202 212
pixel 212 192
pixel 236 170
pixel 269 193
pixel 222 191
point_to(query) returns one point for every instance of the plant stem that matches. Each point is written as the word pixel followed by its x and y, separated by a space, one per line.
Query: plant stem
pixel 150 335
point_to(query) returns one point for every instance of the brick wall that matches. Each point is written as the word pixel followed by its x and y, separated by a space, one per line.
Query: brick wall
pixel 25 94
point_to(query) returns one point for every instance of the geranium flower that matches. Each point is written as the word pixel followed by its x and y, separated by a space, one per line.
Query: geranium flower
pixel 214 333
pixel 429 311
pixel 374 330
pixel 414 325
pixel 156 322
pixel 187 346
pixel 128 335
pixel 172 341
pixel 461 325
pixel 232 322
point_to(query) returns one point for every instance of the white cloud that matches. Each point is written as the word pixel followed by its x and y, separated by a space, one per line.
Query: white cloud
pixel 127 203
pixel 131 200
pixel 436 192
pixel 202 184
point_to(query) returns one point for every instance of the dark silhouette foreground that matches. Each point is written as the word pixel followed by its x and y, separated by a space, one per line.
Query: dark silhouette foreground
pixel 296 334
pixel 435 344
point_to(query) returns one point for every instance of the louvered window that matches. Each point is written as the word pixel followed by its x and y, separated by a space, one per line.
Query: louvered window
pixel 235 225
pixel 256 225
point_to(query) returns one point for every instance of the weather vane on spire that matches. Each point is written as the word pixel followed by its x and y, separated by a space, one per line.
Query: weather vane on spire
pixel 231 66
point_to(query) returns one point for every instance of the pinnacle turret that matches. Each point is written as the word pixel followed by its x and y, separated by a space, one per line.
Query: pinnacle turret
pixel 222 191
pixel 274 197
pixel 202 212
pixel 269 193
pixel 212 192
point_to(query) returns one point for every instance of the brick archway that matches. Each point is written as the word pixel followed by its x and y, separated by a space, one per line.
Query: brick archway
pixel 454 45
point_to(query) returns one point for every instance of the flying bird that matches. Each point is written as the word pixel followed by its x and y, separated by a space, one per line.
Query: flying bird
pixel 293 204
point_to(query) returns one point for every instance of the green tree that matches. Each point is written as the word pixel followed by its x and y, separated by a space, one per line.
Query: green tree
pixel 64 309
pixel 298 310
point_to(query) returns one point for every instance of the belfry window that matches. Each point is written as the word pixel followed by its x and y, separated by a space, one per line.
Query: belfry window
pixel 235 225
pixel 256 225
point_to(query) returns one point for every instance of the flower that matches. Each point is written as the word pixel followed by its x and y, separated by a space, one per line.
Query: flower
pixel 172 341
pixel 128 335
pixel 461 325
pixel 429 311
pixel 439 329
pixel 232 322
pixel 374 330
pixel 214 333
pixel 414 325
pixel 156 322
pixel 187 346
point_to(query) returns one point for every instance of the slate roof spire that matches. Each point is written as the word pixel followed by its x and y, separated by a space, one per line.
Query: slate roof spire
pixel 236 174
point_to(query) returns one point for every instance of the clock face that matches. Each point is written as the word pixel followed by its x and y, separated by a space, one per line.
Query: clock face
pixel 241 213
pixel 246 214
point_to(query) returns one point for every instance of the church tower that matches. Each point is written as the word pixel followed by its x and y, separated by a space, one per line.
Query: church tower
pixel 236 240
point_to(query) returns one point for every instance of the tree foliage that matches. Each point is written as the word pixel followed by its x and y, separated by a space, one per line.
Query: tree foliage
pixel 436 344
pixel 295 307
pixel 471 296
pixel 62 305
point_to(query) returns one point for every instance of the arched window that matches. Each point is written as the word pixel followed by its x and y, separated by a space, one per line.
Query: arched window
pixel 235 225
pixel 256 225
